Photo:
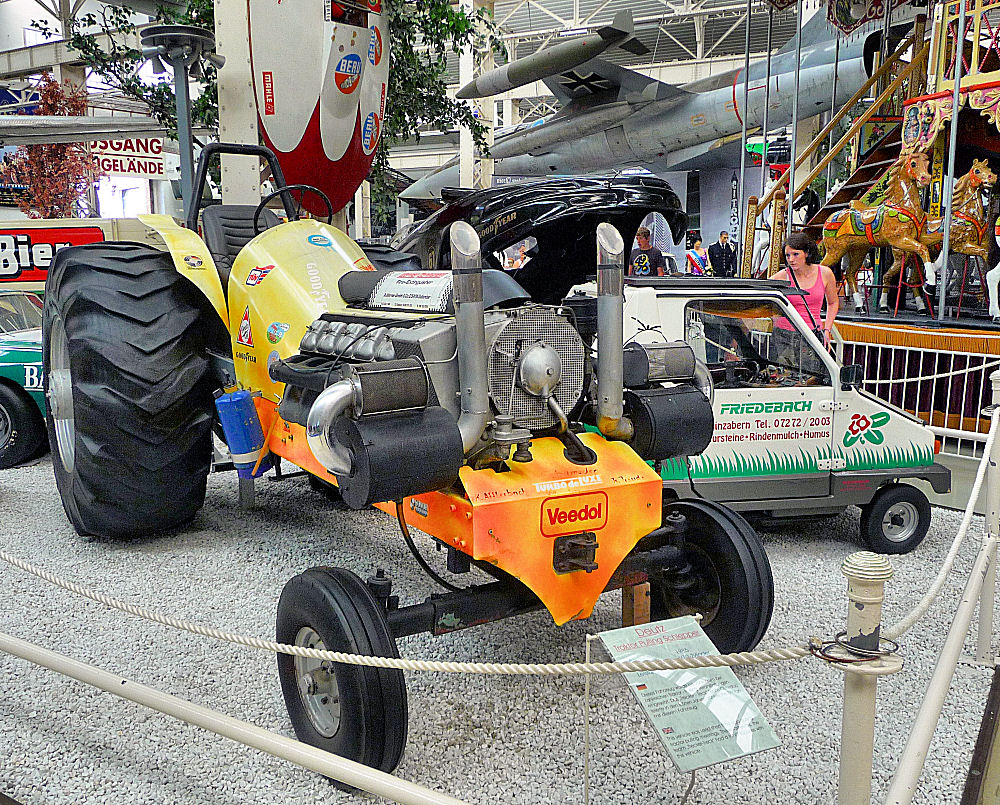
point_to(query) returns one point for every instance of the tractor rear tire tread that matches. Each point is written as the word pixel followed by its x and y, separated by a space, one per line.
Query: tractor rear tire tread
pixel 142 399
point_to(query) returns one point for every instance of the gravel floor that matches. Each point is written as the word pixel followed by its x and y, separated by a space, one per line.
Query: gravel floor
pixel 481 739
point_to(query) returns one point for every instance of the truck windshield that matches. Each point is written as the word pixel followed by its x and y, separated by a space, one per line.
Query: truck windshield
pixel 752 343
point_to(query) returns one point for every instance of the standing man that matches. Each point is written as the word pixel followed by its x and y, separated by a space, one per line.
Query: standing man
pixel 647 260
pixel 722 256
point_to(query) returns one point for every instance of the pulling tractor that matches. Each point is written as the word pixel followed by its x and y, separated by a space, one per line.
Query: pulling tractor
pixel 443 397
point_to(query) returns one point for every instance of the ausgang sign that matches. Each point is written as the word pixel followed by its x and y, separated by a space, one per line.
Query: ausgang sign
pixel 140 157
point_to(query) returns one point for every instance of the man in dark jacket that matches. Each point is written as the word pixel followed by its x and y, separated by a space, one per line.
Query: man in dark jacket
pixel 722 256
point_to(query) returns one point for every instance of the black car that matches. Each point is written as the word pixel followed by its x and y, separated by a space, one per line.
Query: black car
pixel 558 218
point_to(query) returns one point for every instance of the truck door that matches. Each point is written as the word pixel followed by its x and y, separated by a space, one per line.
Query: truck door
pixel 774 402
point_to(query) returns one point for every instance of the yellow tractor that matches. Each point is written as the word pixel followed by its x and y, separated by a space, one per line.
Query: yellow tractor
pixel 444 397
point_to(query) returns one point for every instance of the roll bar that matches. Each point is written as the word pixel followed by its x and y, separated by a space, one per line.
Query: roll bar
pixel 236 149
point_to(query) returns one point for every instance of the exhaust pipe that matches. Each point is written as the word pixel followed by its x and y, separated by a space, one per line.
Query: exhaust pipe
pixel 333 402
pixel 611 420
pixel 470 332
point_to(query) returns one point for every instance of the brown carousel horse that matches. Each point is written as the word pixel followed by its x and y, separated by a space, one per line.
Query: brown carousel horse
pixel 897 220
pixel 968 218
pixel 968 230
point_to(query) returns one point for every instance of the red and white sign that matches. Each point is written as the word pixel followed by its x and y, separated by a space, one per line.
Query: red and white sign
pixel 245 335
pixel 267 77
pixel 139 156
pixel 26 254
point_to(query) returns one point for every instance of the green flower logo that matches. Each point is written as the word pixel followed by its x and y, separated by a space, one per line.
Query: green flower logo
pixel 864 429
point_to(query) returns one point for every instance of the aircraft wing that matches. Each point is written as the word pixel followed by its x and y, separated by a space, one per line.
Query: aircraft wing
pixel 723 152
pixel 604 81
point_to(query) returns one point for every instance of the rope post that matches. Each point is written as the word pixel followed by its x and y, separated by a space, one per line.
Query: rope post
pixel 987 597
pixel 749 235
pixel 866 576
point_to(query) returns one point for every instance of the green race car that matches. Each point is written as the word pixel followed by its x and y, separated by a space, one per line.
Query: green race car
pixel 22 400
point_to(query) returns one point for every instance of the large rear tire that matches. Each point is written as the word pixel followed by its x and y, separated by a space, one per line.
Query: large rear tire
pixel 729 580
pixel 128 390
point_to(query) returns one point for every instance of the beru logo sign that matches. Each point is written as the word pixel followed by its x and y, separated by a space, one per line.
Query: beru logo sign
pixel 26 254
pixel 139 156
pixel 573 513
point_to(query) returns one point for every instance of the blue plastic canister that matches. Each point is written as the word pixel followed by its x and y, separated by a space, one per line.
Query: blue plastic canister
pixel 244 435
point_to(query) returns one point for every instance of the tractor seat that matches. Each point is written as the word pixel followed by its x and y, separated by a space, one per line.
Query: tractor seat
pixel 227 228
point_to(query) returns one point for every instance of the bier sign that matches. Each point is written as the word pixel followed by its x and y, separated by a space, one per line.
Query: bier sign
pixel 138 156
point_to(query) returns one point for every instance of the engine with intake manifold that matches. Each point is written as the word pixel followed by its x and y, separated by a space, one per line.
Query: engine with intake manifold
pixel 427 371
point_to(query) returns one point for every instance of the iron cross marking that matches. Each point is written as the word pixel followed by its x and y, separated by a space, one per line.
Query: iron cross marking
pixel 592 83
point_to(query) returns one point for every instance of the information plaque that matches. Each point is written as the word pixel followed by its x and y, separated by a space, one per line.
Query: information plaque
pixel 702 716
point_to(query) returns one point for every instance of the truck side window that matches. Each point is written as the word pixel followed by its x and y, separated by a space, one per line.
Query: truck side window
pixel 750 343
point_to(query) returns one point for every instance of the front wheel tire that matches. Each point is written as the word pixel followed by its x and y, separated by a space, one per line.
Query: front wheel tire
pixel 896 520
pixel 355 711
pixel 728 580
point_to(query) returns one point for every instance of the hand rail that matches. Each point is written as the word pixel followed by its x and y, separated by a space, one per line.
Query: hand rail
pixel 821 137
pixel 881 99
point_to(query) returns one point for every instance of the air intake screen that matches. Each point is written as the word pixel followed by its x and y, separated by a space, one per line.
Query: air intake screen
pixel 526 327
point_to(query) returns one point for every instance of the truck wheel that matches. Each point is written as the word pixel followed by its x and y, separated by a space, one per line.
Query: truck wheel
pixel 729 581
pixel 22 431
pixel 128 390
pixel 355 711
pixel 896 520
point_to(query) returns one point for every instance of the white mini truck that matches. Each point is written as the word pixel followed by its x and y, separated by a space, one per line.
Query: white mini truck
pixel 795 434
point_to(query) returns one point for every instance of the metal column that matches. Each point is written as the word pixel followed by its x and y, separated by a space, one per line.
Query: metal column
pixel 949 175
pixel 795 121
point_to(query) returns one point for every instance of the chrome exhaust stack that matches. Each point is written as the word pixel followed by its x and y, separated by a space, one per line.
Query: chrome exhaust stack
pixel 342 397
pixel 470 333
pixel 611 420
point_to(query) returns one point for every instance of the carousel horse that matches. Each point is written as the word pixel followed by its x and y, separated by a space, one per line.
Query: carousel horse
pixel 968 227
pixel 968 218
pixel 897 220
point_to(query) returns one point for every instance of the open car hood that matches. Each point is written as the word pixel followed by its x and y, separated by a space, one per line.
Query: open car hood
pixel 561 214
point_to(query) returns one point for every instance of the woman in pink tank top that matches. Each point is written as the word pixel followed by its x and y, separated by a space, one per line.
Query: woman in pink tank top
pixel 804 271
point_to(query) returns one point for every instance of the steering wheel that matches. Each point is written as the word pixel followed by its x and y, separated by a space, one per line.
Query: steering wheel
pixel 736 373
pixel 302 188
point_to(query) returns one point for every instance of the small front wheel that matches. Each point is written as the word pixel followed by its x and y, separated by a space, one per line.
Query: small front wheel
pixel 896 520
pixel 355 711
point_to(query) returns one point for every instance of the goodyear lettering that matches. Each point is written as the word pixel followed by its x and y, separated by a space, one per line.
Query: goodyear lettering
pixel 493 228
pixel 775 407
pixel 246 356
pixel 564 515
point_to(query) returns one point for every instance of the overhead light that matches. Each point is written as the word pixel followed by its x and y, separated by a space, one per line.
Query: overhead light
pixel 573 31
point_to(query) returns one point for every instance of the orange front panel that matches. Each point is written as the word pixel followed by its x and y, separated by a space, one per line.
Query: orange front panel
pixel 512 519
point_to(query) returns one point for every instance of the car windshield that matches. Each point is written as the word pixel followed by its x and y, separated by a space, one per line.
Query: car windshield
pixel 19 311
pixel 752 343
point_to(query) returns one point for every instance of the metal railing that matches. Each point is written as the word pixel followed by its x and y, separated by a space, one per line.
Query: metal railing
pixel 947 389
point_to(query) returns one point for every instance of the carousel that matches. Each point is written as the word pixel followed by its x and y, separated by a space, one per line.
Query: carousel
pixel 911 227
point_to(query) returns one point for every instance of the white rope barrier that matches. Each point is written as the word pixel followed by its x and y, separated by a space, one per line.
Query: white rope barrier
pixel 903 625
pixel 508 669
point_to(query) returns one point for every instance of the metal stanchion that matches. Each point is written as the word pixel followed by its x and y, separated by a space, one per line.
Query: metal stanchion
pixel 987 597
pixel 859 651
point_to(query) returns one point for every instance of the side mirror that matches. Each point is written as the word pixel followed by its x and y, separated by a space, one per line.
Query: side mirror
pixel 851 376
